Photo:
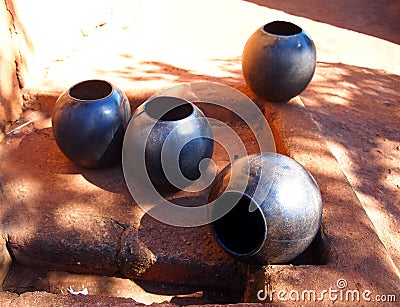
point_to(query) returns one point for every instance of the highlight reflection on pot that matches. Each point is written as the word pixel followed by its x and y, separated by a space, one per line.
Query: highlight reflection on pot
pixel 89 122
pixel 278 61
pixel 277 216
pixel 172 136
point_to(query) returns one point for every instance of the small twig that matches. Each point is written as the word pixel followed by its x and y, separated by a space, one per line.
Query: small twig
pixel 21 126
pixel 84 291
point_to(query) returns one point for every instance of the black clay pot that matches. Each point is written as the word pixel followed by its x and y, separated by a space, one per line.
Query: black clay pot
pixel 165 142
pixel 89 122
pixel 278 61
pixel 267 209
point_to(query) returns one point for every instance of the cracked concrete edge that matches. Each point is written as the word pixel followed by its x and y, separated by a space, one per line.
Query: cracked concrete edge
pixel 134 262
pixel 115 249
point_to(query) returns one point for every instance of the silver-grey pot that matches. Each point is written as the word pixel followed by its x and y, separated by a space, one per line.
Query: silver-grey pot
pixel 267 209
pixel 279 61
pixel 165 142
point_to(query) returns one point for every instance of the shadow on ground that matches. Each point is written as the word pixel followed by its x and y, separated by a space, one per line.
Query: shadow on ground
pixel 378 18
pixel 357 110
pixel 159 71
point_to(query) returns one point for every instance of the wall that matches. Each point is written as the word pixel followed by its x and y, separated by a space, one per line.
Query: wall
pixel 11 68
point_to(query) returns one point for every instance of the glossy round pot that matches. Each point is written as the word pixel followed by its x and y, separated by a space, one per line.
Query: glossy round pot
pixel 166 140
pixel 267 209
pixel 89 122
pixel 278 61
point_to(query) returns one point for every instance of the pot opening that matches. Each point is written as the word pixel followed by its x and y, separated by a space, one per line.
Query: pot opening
pixel 168 108
pixel 282 28
pixel 91 90
pixel 242 230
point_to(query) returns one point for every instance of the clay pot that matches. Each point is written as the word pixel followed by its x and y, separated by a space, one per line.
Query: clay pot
pixel 278 61
pixel 267 209
pixel 165 142
pixel 89 122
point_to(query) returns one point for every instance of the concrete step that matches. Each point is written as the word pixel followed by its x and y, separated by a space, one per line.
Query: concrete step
pixel 60 217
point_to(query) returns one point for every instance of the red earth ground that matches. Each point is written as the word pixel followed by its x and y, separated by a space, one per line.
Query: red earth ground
pixel 354 96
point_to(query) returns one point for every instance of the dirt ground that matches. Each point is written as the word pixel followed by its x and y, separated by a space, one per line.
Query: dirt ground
pixel 360 121
pixel 353 97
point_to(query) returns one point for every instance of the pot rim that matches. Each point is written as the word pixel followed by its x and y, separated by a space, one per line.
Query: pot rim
pixel 91 100
pixel 287 23
pixel 255 251
pixel 169 121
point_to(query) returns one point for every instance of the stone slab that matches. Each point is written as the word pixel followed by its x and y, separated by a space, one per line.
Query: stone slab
pixel 60 216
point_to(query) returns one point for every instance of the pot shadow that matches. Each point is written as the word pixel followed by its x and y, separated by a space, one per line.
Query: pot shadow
pixel 110 178
pixel 193 295
pixel 48 158
pixel 315 254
